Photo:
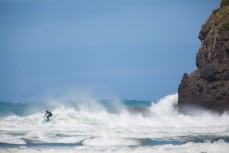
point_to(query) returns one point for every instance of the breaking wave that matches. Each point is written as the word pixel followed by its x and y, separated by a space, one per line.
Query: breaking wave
pixel 87 125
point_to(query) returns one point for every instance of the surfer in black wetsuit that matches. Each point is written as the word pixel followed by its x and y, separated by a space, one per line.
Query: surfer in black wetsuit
pixel 49 114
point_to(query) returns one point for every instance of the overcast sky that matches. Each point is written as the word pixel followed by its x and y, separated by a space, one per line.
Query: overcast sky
pixel 132 49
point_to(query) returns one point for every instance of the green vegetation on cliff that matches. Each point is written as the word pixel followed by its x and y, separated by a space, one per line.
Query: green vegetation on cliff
pixel 224 2
pixel 215 11
pixel 220 17
pixel 224 27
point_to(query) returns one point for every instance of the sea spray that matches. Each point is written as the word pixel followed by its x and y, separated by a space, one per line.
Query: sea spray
pixel 165 106
pixel 108 126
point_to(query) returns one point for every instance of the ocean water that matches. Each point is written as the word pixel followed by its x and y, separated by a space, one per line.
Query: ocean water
pixel 86 125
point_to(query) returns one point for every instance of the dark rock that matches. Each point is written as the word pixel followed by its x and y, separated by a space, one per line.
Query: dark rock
pixel 208 72
pixel 208 86
pixel 220 57
pixel 225 76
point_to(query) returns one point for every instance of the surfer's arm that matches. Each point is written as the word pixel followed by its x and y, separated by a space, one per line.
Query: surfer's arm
pixel 45 114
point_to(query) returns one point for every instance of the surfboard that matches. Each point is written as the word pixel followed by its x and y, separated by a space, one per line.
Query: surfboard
pixel 44 121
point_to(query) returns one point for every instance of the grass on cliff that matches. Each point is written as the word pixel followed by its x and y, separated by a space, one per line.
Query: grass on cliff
pixel 224 27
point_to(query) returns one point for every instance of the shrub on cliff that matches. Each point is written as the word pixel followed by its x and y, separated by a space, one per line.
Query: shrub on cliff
pixel 224 2
pixel 215 11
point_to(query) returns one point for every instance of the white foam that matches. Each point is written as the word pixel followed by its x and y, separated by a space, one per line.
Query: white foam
pixel 163 114
pixel 165 106
pixel 216 147
pixel 6 138
pixel 99 128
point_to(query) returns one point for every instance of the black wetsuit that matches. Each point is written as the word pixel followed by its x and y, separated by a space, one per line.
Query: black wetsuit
pixel 49 115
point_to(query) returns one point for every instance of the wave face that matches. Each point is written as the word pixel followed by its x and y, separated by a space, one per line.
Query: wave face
pixel 87 125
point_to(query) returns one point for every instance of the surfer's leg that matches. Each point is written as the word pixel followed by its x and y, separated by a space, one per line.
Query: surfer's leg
pixel 48 117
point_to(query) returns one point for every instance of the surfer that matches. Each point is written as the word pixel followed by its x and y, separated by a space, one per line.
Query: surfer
pixel 49 114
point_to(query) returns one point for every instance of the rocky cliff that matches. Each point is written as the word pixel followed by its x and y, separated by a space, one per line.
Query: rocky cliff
pixel 208 86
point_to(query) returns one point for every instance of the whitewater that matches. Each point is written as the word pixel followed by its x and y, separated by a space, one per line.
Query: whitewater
pixel 87 125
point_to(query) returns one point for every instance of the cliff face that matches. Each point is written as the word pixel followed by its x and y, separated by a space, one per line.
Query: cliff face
pixel 208 86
